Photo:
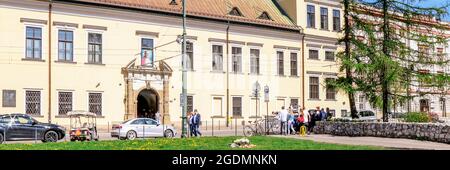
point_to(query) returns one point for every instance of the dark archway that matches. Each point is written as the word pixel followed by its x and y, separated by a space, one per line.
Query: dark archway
pixel 147 104
pixel 424 105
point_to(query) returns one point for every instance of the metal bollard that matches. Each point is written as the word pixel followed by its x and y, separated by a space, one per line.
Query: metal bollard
pixel 206 125
pixel 219 124
pixel 235 127
pixel 212 131
pixel 108 126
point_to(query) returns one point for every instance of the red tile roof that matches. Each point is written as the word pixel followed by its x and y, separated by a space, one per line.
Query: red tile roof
pixel 214 9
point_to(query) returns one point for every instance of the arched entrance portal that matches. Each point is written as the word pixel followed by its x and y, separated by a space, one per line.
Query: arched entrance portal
pixel 147 104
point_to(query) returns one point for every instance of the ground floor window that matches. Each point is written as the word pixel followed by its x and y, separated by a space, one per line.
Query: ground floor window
pixel 33 102
pixel 344 113
pixel 9 98
pixel 217 106
pixel 64 102
pixel 190 104
pixel 294 105
pixel 237 106
pixel 95 103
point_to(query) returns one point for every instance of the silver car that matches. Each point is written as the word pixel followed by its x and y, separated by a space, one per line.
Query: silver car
pixel 142 128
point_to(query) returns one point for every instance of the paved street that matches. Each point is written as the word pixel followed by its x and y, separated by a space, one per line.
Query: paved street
pixel 374 141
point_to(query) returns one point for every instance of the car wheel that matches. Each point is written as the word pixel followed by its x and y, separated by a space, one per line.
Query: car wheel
pixel 131 135
pixel 1 138
pixel 168 133
pixel 51 136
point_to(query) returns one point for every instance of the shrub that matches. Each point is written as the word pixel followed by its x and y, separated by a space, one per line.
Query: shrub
pixel 416 117
pixel 433 117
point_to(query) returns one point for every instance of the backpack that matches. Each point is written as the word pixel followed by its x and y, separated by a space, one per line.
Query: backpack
pixel 301 119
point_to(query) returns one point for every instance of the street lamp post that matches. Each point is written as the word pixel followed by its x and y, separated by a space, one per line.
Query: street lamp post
pixel 184 77
pixel 256 89
pixel 266 99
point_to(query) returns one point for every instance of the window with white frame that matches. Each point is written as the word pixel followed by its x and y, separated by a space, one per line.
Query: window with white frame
pixel 314 54
pixel 336 20
pixel 9 98
pixel 33 43
pixel 314 87
pixel 324 18
pixel 65 45
pixel 95 48
pixel 310 16
pixel 190 55
pixel 280 63
pixel 329 55
pixel 237 106
pixel 294 66
pixel 254 61
pixel 217 58
pixel 331 92
pixel 147 52
pixel 236 54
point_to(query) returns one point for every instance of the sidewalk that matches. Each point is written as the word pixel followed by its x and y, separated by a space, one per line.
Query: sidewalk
pixel 374 141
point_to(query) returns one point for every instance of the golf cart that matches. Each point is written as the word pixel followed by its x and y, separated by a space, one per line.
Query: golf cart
pixel 83 126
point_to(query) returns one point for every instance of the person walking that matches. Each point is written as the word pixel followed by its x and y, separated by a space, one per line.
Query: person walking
pixel 306 119
pixel 314 117
pixel 323 115
pixel 329 115
pixel 197 120
pixel 291 122
pixel 158 117
pixel 191 124
pixel 283 114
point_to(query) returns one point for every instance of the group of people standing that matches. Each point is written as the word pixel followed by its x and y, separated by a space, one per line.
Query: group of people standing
pixel 194 123
pixel 304 117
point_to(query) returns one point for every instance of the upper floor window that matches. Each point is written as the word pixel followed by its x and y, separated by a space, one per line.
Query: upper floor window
pixel 280 57
pixel 294 64
pixel 65 45
pixel 314 87
pixel 254 61
pixel 324 18
pixel 33 43
pixel 217 60
pixel 190 55
pixel 310 18
pixel 147 52
pixel 94 48
pixel 331 92
pixel 236 59
pixel 314 54
pixel 336 20
pixel 329 55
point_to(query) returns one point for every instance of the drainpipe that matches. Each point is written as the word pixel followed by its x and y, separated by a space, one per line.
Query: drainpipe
pixel 302 34
pixel 50 61
pixel 228 88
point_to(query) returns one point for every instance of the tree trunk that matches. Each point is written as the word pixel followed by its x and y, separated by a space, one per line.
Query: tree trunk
pixel 348 71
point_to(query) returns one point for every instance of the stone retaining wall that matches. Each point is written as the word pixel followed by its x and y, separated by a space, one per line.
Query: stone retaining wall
pixel 421 131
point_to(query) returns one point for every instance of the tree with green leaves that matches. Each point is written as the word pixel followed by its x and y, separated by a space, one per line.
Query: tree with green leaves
pixel 388 43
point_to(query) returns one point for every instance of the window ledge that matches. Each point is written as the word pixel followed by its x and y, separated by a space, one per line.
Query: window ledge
pixel 255 74
pixel 218 71
pixel 65 62
pixel 188 70
pixel 314 59
pixel 237 117
pixel 330 60
pixel 38 116
pixel 237 73
pixel 61 116
pixel 294 76
pixel 311 27
pixel 98 64
pixel 314 99
pixel 280 75
pixel 33 59
pixel 217 117
pixel 324 29
pixel 333 100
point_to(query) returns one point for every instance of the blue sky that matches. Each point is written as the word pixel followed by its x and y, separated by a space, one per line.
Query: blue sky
pixel 436 3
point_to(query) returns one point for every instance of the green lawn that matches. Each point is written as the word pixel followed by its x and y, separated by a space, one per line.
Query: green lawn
pixel 204 143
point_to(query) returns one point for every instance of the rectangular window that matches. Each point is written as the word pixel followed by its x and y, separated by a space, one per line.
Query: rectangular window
pixel 33 43
pixel 280 57
pixel 190 103
pixel 344 113
pixel 294 105
pixel 332 113
pixel 336 20
pixel 314 54
pixel 64 102
pixel 237 106
pixel 324 18
pixel 65 45
pixel 440 54
pixel 236 54
pixel 254 61
pixel 95 103
pixel 294 64
pixel 217 61
pixel 329 55
pixel 95 48
pixel 9 98
pixel 190 55
pixel 33 102
pixel 314 87
pixel 217 106
pixel 147 53
pixel 331 92
pixel 311 16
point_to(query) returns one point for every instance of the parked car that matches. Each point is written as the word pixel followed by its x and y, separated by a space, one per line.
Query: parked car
pixel 142 128
pixel 367 115
pixel 18 126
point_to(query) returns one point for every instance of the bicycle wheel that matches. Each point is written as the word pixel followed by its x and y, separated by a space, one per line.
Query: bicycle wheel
pixel 248 131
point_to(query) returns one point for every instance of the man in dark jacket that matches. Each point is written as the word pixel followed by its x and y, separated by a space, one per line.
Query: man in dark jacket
pixel 197 120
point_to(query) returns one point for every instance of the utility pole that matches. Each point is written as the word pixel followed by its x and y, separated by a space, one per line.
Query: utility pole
pixel 228 76
pixel 184 77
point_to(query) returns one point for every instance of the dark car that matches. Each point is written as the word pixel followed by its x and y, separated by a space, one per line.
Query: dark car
pixel 24 127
